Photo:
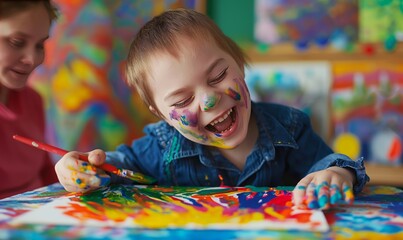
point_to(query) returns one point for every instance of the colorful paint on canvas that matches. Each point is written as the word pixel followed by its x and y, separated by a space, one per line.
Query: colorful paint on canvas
pixel 376 213
pixel 181 208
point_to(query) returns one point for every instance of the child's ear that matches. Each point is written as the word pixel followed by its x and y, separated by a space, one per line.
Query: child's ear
pixel 152 109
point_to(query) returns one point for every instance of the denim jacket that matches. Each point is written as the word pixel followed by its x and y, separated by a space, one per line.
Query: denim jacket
pixel 287 150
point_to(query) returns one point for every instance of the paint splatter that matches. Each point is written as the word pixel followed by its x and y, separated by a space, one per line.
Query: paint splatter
pixel 348 194
pixel 158 207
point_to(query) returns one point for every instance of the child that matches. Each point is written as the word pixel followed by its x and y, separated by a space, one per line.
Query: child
pixel 24 28
pixel 192 76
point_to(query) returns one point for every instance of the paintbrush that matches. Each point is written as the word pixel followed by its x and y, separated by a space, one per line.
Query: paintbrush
pixel 135 176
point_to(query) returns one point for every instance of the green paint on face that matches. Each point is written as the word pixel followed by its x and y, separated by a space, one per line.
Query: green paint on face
pixel 209 102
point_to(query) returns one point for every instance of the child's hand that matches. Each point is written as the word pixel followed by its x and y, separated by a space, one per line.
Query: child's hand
pixel 79 176
pixel 324 188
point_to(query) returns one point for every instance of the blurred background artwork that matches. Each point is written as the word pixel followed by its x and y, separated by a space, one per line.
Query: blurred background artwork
pixel 306 22
pixel 303 85
pixel 88 103
pixel 339 23
pixel 367 110
pixel 381 21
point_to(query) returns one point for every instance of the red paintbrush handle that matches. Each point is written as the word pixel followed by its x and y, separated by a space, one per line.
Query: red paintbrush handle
pixel 61 152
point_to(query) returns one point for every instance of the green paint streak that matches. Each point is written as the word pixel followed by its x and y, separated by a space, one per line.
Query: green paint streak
pixel 96 54
pixel 115 193
pixel 152 193
pixel 174 148
pixel 141 178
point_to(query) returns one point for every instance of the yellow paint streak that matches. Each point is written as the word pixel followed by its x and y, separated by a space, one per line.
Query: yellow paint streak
pixel 270 211
pixel 153 218
pixel 69 90
pixel 115 214
pixel 247 218
pixel 347 234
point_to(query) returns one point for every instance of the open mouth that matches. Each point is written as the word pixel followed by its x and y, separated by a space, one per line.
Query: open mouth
pixel 223 123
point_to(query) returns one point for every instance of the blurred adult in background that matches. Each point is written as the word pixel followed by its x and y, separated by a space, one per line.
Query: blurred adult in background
pixel 24 28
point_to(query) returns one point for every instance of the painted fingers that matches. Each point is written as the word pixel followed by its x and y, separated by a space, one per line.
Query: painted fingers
pixel 323 190
pixel 79 176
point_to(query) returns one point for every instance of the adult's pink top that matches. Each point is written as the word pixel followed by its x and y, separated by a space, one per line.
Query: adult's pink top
pixel 22 167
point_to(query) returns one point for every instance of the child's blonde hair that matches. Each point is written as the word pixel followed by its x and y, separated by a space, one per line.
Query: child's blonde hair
pixel 162 33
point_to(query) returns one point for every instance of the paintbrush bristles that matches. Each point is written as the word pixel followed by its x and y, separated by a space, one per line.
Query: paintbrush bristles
pixel 135 176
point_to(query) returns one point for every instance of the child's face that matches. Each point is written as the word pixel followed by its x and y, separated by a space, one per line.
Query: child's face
pixel 22 37
pixel 202 94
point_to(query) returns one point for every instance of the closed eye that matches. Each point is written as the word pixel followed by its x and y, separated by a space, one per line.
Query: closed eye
pixel 17 43
pixel 219 78
pixel 183 103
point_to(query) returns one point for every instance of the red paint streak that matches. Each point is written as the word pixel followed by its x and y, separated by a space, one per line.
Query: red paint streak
pixel 395 150
pixel 15 212
pixel 281 199
pixel 82 213
pixel 251 195
pixel 330 216
pixel 221 180
pixel 303 217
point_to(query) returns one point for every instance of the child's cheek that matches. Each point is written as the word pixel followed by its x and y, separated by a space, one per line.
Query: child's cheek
pixel 185 117
pixel 239 92
pixel 233 93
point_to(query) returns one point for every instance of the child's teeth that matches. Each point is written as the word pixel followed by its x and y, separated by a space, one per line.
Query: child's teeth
pixel 222 118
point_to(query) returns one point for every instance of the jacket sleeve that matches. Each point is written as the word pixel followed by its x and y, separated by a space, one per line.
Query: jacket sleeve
pixel 344 161
pixel 313 154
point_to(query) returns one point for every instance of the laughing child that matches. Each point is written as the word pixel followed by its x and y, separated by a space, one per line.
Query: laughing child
pixel 211 134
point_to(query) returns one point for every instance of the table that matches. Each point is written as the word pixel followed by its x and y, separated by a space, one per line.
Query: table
pixel 377 213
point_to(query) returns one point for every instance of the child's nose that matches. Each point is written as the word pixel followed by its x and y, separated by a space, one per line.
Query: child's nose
pixel 209 101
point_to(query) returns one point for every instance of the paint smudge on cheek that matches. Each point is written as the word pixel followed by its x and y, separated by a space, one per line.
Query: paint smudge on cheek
pixel 233 94
pixel 216 142
pixel 174 115
pixel 241 86
pixel 186 118
pixel 189 118
pixel 185 131
pixel 187 123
